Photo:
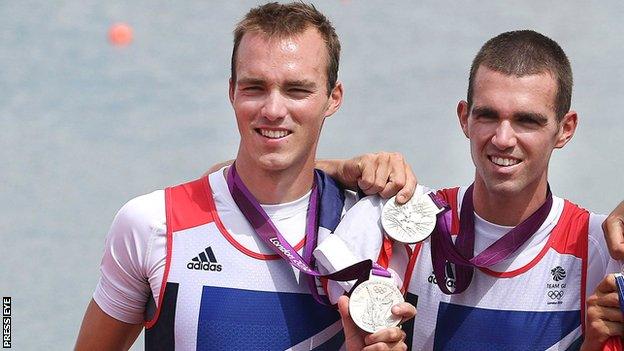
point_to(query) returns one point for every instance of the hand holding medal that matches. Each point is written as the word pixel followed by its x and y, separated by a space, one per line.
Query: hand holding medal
pixel 411 222
pixel 392 338
pixel 371 302
pixel 371 298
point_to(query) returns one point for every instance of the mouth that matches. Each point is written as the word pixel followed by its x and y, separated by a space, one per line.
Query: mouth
pixel 504 161
pixel 272 133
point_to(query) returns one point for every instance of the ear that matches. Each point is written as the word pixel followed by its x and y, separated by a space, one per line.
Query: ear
pixel 335 100
pixel 567 127
pixel 463 111
pixel 231 90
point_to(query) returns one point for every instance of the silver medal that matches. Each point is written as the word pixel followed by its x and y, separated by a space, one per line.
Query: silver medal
pixel 412 222
pixel 370 304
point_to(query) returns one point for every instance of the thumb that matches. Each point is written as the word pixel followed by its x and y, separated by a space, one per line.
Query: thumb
pixel 350 329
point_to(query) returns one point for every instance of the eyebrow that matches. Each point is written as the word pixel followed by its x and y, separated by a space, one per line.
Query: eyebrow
pixel 483 111
pixel 538 117
pixel 250 81
pixel 486 111
pixel 304 83
pixel 289 84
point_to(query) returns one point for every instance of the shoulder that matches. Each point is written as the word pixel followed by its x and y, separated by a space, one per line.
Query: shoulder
pixel 597 252
pixel 138 219
pixel 142 210
pixel 593 221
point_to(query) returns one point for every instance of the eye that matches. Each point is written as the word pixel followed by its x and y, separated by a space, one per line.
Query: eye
pixel 486 116
pixel 299 92
pixel 252 88
pixel 528 120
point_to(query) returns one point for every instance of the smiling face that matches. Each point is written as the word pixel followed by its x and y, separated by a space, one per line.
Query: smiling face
pixel 280 100
pixel 513 129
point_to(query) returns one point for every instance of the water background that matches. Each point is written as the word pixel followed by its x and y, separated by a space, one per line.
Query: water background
pixel 85 126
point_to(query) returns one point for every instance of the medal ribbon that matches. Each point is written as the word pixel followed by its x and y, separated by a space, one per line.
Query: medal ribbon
pixel 461 253
pixel 270 235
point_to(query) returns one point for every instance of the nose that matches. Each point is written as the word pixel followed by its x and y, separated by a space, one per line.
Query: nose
pixel 505 136
pixel 274 106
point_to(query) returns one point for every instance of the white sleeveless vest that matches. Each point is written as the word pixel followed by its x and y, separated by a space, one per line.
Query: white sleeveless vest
pixel 216 295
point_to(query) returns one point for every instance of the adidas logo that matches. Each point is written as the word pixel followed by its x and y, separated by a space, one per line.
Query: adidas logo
pixel 449 277
pixel 205 261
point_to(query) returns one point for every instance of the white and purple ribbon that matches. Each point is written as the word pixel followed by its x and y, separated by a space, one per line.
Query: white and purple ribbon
pixel 325 213
pixel 461 253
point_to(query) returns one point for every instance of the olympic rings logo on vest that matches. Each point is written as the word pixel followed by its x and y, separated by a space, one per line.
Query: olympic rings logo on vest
pixel 555 294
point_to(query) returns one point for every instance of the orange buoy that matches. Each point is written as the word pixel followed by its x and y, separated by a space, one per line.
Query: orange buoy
pixel 120 34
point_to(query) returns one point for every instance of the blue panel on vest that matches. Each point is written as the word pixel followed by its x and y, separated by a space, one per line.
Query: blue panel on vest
pixel 469 328
pixel 236 319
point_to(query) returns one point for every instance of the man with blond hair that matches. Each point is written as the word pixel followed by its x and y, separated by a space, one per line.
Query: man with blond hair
pixel 186 261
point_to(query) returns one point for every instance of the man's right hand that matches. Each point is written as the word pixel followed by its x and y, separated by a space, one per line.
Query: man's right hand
pixel 385 339
pixel 613 228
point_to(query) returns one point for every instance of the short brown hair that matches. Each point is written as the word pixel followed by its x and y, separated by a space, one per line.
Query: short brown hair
pixel 525 52
pixel 283 20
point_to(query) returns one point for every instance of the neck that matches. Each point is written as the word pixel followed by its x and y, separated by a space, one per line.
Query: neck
pixel 275 187
pixel 508 208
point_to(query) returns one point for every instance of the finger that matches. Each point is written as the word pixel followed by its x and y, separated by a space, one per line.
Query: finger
pixel 386 335
pixel 410 186
pixel 611 314
pixel 609 300
pixel 613 228
pixel 351 171
pixel 398 346
pixel 615 328
pixel 397 177
pixel 343 308
pixel 382 172
pixel 367 168
pixel 378 347
pixel 607 285
pixel 391 188
pixel 405 310
pixel 348 324
pixel 607 328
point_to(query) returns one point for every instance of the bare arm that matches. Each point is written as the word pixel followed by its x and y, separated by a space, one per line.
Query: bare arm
pixel 100 331
pixel 383 173
pixel 613 228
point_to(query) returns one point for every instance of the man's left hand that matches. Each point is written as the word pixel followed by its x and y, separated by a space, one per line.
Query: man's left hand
pixel 604 317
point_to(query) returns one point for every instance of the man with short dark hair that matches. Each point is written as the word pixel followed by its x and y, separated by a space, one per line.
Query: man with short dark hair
pixel 508 265
pixel 188 262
